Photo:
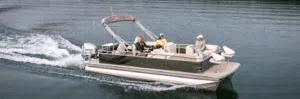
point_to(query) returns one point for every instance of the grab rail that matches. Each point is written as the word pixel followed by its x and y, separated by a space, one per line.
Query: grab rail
pixel 177 54
pixel 185 57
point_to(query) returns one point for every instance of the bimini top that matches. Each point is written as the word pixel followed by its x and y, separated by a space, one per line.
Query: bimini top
pixel 117 18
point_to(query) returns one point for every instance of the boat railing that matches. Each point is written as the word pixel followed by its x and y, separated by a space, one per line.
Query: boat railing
pixel 179 47
pixel 180 56
pixel 180 52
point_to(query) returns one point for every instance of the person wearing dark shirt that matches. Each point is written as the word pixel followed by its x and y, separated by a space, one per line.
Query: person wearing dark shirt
pixel 140 45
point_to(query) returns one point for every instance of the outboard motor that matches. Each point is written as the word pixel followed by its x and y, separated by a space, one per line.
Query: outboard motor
pixel 88 51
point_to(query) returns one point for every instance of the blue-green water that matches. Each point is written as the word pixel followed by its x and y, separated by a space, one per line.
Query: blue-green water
pixel 40 46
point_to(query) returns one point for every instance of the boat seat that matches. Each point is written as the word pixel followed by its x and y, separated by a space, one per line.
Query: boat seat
pixel 216 58
pixel 121 49
pixel 189 50
pixel 227 52
pixel 171 47
pixel 160 54
pixel 226 55
pixel 211 48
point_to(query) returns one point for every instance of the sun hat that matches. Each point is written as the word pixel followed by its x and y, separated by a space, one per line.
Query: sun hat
pixel 161 34
pixel 200 36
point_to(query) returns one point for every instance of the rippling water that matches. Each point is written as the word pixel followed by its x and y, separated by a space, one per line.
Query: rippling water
pixel 40 46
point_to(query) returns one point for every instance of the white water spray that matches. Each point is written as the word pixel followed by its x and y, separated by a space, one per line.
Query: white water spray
pixel 40 49
pixel 54 50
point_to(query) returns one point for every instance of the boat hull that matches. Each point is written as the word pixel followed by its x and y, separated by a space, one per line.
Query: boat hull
pixel 188 82
pixel 207 80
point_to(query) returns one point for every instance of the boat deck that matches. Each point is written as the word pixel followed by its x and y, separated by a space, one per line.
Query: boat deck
pixel 216 72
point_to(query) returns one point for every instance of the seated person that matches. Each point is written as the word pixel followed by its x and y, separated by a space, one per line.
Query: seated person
pixel 140 46
pixel 159 43
pixel 199 44
pixel 163 38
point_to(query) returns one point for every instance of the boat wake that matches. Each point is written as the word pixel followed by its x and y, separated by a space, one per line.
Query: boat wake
pixel 54 50
pixel 39 49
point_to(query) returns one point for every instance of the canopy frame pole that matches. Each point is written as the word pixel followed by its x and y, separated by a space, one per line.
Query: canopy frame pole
pixel 113 40
pixel 118 18
pixel 149 33
pixel 111 11
pixel 112 33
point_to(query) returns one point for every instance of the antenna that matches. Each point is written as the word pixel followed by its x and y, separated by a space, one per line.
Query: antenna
pixel 111 11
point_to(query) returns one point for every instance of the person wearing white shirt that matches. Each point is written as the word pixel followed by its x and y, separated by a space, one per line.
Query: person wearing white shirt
pixel 199 44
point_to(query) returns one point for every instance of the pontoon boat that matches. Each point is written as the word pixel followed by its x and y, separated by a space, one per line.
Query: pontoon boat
pixel 176 63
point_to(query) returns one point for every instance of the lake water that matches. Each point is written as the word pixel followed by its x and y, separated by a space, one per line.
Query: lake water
pixel 40 46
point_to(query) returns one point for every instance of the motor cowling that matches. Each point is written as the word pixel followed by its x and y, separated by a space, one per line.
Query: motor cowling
pixel 88 51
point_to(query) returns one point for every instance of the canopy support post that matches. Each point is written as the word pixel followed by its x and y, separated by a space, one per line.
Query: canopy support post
pixel 112 33
pixel 149 33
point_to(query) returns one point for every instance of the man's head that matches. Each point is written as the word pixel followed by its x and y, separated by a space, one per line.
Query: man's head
pixel 141 39
pixel 162 35
pixel 200 37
